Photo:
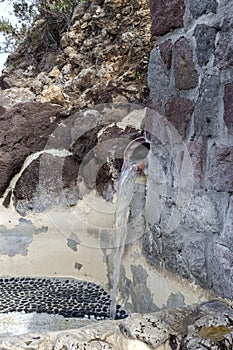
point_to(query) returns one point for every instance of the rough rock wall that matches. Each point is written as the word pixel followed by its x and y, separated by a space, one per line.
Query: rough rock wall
pixel 103 57
pixel 191 84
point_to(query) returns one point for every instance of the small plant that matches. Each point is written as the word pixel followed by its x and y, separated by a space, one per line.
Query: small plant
pixel 137 74
pixel 56 14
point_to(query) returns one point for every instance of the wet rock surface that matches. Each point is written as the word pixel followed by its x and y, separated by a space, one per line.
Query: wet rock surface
pixel 204 326
pixel 65 297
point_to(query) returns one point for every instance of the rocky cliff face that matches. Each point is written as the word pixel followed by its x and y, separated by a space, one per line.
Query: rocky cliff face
pixel 102 57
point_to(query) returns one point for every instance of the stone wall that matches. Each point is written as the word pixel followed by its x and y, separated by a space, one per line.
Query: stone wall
pixel 191 84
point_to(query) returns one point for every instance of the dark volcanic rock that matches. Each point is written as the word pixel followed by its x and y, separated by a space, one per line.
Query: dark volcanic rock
pixel 207 107
pixel 166 15
pixel 222 271
pixel 166 52
pixel 27 183
pixel 179 112
pixel 224 49
pixel 220 172
pixel 196 155
pixel 205 37
pixel 186 76
pixel 228 107
pixel 23 130
pixel 54 179
pixel 201 7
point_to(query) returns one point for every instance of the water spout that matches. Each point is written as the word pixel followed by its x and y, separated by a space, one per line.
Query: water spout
pixel 135 154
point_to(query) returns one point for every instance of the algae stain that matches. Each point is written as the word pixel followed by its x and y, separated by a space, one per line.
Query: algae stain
pixel 216 333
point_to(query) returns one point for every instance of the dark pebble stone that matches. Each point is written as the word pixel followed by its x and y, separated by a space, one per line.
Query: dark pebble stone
pixel 47 295
pixel 122 312
pixel 77 314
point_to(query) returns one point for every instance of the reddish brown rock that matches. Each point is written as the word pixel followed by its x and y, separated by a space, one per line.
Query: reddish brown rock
pixel 166 52
pixel 220 172
pixel 179 112
pixel 166 15
pixel 23 130
pixel 186 76
pixel 228 107
pixel 195 152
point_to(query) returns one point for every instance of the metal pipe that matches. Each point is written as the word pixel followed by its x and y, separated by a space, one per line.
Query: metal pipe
pixel 136 152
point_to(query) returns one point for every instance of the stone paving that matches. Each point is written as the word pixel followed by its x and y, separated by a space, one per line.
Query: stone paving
pixel 58 296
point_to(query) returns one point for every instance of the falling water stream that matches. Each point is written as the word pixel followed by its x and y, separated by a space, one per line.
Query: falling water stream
pixel 125 192
pixel 134 160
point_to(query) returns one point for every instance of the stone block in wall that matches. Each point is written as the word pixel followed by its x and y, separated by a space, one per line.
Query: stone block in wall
pixel 227 234
pixel 200 7
pixel 184 250
pixel 206 113
pixel 166 52
pixel 166 15
pixel 222 270
pixel 158 77
pixel 195 255
pixel 186 76
pixel 228 107
pixel 201 224
pixel 173 258
pixel 220 170
pixel 196 155
pixel 224 47
pixel 202 216
pixel 205 39
pixel 179 111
